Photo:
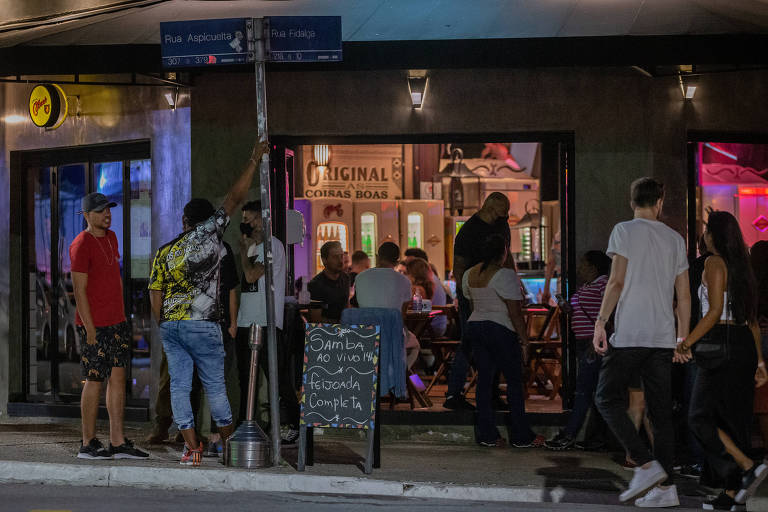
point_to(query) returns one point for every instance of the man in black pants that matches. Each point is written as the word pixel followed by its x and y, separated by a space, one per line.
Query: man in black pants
pixel 649 266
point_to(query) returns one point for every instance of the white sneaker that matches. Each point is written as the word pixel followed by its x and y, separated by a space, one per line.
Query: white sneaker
pixel 659 497
pixel 643 480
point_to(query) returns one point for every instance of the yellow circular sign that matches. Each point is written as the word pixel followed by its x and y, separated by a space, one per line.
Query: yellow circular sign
pixel 48 106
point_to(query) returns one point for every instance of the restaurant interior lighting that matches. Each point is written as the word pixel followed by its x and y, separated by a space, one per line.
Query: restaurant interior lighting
pixel 417 87
pixel 322 156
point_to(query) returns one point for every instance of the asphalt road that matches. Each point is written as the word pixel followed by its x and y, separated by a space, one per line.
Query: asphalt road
pixel 49 498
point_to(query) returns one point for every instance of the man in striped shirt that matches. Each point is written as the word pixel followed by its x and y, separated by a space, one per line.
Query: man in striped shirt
pixel 593 271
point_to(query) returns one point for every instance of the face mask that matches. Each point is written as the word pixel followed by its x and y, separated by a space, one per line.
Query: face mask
pixel 246 229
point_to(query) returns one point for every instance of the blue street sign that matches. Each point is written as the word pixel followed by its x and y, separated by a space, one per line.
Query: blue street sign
pixel 205 42
pixel 304 38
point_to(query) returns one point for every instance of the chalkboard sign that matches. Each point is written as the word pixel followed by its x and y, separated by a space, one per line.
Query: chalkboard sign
pixel 339 383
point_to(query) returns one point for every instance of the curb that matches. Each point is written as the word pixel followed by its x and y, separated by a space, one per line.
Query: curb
pixel 221 480
pixel 227 480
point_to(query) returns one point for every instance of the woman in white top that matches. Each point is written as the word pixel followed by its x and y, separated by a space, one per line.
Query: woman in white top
pixel 496 330
pixel 721 405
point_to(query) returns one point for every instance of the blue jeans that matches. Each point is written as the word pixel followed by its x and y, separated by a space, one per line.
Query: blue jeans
pixel 189 344
pixel 497 348
pixel 586 384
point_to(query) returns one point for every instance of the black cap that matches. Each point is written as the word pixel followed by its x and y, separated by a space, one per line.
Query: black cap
pixel 96 202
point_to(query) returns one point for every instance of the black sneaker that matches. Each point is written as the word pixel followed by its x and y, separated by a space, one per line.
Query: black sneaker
pixel 590 445
pixel 457 403
pixel 751 481
pixel 561 441
pixel 127 451
pixel 93 450
pixel 723 502
pixel 290 437
pixel 690 471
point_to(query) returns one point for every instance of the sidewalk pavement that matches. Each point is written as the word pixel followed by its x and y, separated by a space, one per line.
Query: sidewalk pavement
pixel 38 450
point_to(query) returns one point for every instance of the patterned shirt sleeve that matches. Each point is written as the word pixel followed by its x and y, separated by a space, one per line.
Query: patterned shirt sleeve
pixel 157 276
pixel 217 223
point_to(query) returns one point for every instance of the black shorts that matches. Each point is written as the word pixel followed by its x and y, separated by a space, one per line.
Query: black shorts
pixel 111 350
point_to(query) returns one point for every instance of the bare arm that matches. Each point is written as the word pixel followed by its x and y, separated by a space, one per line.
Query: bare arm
pixel 715 275
pixel 239 190
pixel 515 309
pixel 156 302
pixel 761 374
pixel 459 267
pixel 683 292
pixel 611 297
pixel 252 270
pixel 80 285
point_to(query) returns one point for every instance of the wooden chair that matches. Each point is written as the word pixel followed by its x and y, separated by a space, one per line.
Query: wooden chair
pixel 545 347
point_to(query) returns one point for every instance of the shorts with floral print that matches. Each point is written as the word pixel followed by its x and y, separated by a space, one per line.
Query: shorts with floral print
pixel 111 350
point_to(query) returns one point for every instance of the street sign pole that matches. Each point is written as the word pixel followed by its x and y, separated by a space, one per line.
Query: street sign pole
pixel 266 218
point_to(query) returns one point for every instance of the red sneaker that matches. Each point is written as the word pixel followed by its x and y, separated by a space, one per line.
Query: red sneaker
pixel 191 457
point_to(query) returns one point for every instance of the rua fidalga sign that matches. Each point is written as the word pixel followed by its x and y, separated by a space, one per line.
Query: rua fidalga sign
pixel 339 382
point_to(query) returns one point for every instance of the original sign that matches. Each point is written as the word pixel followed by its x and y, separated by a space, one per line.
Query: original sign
pixel 340 380
pixel 205 42
pixel 48 106
pixel 304 38
pixel 355 172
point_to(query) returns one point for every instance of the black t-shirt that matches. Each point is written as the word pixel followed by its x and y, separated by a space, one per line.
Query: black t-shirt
pixel 228 282
pixel 472 235
pixel 334 294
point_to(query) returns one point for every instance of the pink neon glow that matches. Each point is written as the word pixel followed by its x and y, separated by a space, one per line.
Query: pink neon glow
pixel 760 223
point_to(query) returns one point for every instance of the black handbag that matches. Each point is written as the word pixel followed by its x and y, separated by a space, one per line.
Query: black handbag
pixel 713 350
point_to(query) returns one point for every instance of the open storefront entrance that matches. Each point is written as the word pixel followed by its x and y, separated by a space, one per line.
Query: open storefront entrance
pixel 418 192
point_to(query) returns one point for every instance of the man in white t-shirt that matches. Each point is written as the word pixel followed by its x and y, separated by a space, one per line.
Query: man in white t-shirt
pixel 649 267
pixel 253 304
pixel 383 287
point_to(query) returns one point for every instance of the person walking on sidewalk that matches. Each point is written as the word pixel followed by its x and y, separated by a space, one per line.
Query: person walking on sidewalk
pixel 101 322
pixel 593 270
pixel 496 330
pixel 723 393
pixel 649 267
pixel 184 293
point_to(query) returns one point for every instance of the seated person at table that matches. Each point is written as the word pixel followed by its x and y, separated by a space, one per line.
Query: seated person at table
pixel 382 287
pixel 439 296
pixel 423 282
pixel 360 263
pixel 331 286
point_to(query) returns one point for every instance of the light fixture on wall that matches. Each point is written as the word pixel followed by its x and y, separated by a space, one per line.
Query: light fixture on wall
pixel 172 97
pixel 686 81
pixel 417 86
pixel 322 157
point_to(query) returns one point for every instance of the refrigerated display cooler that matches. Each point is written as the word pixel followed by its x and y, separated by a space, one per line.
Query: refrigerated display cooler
pixel 376 222
pixel 421 225
pixel 327 220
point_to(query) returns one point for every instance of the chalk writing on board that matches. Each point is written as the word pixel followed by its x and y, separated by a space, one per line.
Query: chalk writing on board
pixel 340 375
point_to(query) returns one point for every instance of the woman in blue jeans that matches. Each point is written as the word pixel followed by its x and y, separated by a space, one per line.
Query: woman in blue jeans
pixel 496 331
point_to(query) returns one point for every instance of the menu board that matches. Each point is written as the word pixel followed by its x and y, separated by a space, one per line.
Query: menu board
pixel 339 383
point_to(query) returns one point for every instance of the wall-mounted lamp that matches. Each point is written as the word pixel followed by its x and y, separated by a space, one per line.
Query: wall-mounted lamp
pixel 417 86
pixel 322 156
pixel 172 97
pixel 687 82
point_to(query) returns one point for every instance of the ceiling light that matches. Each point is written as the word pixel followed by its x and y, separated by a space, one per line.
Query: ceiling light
pixel 417 87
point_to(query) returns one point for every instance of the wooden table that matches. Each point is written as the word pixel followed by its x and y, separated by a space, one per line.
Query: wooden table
pixel 416 322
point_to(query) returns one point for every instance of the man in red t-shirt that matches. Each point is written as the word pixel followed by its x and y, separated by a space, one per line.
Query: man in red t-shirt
pixel 101 323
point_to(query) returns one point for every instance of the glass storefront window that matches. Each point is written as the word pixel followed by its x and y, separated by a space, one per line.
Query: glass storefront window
pixel 415 230
pixel 368 236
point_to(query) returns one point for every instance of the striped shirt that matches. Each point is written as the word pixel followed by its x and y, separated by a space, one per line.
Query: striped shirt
pixel 586 304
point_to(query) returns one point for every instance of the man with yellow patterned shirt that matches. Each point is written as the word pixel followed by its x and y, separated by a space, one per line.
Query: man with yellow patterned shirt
pixel 184 292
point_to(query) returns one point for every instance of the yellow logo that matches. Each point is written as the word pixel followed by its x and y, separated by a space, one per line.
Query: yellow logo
pixel 48 106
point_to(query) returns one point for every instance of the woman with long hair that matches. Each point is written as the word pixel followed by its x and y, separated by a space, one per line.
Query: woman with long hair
pixel 723 394
pixel 421 278
pixel 497 333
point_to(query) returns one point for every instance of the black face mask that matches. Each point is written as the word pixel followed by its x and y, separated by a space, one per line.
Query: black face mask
pixel 246 229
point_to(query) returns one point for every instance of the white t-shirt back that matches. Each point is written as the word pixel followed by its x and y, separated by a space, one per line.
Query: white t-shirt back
pixel 382 288
pixel 488 302
pixel 253 305
pixel 656 256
